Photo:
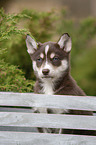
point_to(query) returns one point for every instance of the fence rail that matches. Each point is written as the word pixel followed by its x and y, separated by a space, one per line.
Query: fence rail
pixel 18 121
pixel 48 101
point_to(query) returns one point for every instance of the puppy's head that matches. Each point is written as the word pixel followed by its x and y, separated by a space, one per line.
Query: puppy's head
pixel 50 59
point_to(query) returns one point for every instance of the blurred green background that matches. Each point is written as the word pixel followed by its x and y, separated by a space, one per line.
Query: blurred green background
pixel 16 72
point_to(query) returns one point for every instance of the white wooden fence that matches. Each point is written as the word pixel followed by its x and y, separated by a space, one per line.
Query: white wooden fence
pixel 18 122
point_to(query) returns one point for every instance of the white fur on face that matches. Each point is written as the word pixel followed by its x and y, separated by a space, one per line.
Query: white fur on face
pixel 46 49
pixel 47 83
pixel 55 73
pixel 42 55
pixel 59 71
pixel 52 55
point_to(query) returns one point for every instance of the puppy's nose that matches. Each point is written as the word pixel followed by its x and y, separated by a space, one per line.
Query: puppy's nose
pixel 45 71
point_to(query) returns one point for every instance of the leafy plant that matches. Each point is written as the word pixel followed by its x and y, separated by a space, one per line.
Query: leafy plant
pixel 8 25
pixel 11 78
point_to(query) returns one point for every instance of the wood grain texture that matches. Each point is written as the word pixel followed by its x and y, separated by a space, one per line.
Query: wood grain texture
pixel 25 120
pixel 14 138
pixel 48 101
pixel 47 120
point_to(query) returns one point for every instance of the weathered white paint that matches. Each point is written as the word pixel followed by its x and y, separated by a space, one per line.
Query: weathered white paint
pixel 16 138
pixel 29 120
pixel 50 101
pixel 47 120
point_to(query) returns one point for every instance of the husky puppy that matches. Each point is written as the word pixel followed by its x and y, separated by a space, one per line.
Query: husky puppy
pixel 51 65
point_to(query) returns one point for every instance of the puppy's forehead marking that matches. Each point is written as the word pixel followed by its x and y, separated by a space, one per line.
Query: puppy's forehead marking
pixel 52 55
pixel 46 49
pixel 42 55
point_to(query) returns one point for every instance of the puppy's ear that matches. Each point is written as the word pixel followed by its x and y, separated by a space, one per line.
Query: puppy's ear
pixel 65 42
pixel 31 45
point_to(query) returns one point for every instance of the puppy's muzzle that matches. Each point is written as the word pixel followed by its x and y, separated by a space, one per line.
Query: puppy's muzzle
pixel 45 71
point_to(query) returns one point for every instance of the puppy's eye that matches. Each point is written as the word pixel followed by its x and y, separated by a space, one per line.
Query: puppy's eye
pixel 39 60
pixel 55 58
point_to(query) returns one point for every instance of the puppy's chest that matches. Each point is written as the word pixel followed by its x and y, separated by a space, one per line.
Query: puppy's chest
pixel 47 87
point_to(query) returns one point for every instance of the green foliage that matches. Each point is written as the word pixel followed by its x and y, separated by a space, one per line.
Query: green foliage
pixel 41 24
pixel 12 79
pixel 85 71
pixel 8 25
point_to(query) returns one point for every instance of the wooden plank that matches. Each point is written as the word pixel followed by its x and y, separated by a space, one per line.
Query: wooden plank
pixel 19 129
pixel 48 101
pixel 47 120
pixel 14 138
pixel 11 109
